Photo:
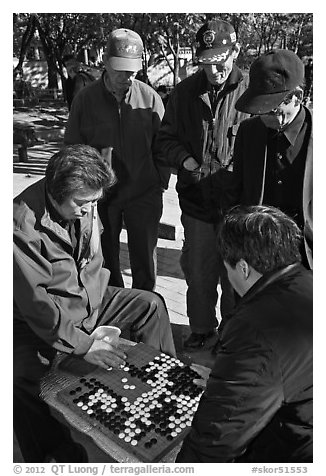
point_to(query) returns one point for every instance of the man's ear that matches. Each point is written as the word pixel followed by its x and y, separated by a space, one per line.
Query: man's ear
pixel 243 268
pixel 236 51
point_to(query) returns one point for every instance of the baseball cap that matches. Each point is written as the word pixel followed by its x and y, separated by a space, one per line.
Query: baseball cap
pixel 271 77
pixel 124 50
pixel 215 41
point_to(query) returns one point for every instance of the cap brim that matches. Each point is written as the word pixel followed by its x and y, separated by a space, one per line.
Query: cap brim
pixel 259 103
pixel 125 64
pixel 214 55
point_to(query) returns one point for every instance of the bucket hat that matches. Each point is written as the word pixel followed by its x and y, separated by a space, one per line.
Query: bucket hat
pixel 271 77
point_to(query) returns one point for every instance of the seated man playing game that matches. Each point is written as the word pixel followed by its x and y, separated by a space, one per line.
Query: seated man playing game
pixel 61 295
pixel 257 405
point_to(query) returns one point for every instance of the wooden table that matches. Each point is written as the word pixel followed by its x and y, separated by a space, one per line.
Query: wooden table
pixel 57 379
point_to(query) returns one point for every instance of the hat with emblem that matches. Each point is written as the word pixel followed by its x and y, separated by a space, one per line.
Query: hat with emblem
pixel 272 77
pixel 215 41
pixel 124 50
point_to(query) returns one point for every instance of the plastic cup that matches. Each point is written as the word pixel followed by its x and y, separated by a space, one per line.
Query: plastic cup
pixel 109 334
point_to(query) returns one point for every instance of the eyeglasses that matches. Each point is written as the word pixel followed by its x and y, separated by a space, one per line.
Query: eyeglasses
pixel 285 102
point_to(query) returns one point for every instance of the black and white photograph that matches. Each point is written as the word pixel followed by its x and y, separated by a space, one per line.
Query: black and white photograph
pixel 163 241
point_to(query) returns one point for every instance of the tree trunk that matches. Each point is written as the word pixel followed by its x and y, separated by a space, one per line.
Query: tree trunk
pixel 176 70
pixel 52 73
pixel 26 40
pixel 298 36
pixel 49 51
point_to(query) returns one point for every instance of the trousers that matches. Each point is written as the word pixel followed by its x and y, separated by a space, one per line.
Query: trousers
pixel 141 218
pixel 203 269
pixel 141 316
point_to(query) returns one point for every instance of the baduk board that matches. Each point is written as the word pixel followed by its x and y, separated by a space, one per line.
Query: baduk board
pixel 146 407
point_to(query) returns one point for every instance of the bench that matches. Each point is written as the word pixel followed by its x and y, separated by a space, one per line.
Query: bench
pixel 24 136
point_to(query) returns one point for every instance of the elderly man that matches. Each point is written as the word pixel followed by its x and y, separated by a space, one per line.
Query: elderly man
pixel 257 406
pixel 196 138
pixel 120 113
pixel 61 294
pixel 273 151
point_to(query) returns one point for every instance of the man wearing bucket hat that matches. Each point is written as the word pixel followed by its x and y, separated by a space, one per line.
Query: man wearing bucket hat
pixel 196 138
pixel 273 151
pixel 120 116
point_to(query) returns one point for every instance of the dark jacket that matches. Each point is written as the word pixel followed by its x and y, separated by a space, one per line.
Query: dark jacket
pixel 257 406
pixel 75 84
pixel 248 177
pixel 54 294
pixel 95 119
pixel 185 131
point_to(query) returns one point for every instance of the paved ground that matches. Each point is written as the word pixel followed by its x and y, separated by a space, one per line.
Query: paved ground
pixel 170 282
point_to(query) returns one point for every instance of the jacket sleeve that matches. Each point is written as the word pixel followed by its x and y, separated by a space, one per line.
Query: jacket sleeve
pixel 308 204
pixel 243 393
pixel 158 158
pixel 169 144
pixel 233 186
pixel 32 276
pixel 73 130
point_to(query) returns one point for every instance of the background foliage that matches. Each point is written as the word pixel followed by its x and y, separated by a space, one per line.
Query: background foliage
pixel 163 35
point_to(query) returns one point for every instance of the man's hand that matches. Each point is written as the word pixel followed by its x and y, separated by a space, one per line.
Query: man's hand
pixel 190 164
pixel 105 355
pixel 203 374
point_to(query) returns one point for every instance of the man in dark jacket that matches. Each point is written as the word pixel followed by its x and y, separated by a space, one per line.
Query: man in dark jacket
pixel 61 294
pixel 273 151
pixel 196 138
pixel 257 406
pixel 120 116
pixel 77 79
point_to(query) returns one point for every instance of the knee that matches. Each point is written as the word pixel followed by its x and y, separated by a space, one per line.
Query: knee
pixel 158 300
pixel 155 302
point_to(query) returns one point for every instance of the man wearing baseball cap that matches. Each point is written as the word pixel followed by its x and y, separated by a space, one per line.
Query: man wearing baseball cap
pixel 273 150
pixel 196 138
pixel 120 116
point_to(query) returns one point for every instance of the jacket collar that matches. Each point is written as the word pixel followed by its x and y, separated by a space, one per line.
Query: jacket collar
pixel 51 220
pixel 266 280
pixel 292 131
pixel 57 228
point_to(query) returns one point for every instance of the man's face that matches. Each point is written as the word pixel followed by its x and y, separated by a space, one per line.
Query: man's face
pixel 120 81
pixel 283 114
pixel 218 73
pixel 79 204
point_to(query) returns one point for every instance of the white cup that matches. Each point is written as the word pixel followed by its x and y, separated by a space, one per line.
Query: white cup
pixel 109 334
